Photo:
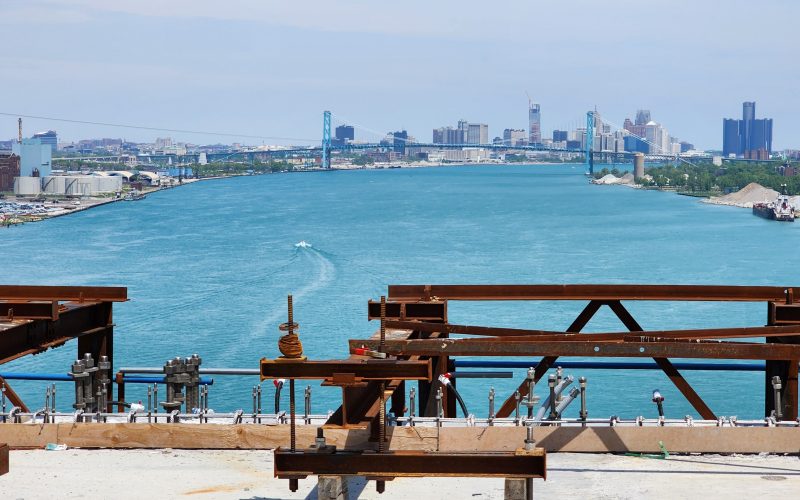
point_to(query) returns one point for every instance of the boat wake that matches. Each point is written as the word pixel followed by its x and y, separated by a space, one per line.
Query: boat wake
pixel 323 275
pixel 302 244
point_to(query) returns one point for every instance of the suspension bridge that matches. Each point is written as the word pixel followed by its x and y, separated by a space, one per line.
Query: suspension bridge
pixel 328 147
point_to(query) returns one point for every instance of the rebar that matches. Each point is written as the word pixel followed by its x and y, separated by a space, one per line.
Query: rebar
pixel 382 345
pixel 307 412
pixel 46 403
pixel 531 401
pixel 255 408
pixel 382 417
pixel 412 401
pixel 776 388
pixel 584 413
pixel 259 403
pixel 439 407
pixel 559 378
pixel 292 425
pixel 491 405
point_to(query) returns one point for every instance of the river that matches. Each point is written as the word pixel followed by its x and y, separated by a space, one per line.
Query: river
pixel 208 267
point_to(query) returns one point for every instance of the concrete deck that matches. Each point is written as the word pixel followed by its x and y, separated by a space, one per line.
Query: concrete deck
pixel 247 474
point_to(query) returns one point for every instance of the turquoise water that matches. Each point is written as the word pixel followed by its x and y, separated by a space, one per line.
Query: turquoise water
pixel 208 267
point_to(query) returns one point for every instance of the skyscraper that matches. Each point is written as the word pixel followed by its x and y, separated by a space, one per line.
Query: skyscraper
pixel 748 137
pixel 643 117
pixel 730 137
pixel 534 123
pixel 345 133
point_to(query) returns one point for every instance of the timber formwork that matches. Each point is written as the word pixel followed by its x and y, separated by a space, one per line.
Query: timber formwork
pixel 34 319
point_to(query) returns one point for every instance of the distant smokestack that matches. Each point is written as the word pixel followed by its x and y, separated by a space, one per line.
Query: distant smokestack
pixel 19 124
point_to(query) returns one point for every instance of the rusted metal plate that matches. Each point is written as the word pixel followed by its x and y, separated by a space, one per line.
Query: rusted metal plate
pixel 3 459
pixel 532 347
pixel 589 292
pixel 64 293
pixel 411 464
pixel 29 310
pixel 364 369
pixel 428 311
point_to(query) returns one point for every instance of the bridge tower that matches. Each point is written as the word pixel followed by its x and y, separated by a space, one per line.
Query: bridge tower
pixel 590 141
pixel 326 139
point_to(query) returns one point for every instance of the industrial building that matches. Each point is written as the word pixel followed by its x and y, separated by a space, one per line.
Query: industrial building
pixel 9 168
pixel 35 157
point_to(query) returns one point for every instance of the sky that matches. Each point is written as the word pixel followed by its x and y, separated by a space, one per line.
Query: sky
pixel 268 69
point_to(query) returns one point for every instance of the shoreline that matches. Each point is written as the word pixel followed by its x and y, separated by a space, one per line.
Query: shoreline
pixel 85 204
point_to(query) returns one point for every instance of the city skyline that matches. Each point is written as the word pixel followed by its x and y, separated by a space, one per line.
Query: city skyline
pixel 270 70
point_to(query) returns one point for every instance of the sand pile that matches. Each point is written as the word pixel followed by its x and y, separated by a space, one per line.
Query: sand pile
pixel 745 197
pixel 612 179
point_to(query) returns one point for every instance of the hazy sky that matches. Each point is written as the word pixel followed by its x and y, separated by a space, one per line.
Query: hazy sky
pixel 269 69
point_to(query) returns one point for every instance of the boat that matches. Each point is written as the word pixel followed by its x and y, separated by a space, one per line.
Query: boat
pixel 134 196
pixel 781 209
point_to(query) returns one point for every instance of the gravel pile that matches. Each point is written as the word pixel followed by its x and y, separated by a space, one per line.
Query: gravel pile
pixel 745 197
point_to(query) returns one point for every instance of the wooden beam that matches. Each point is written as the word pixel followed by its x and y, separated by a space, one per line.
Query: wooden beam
pixel 602 439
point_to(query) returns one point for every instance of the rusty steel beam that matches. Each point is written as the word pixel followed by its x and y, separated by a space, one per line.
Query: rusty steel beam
pixel 449 328
pixel 516 347
pixel 492 334
pixel 392 464
pixel 29 310
pixel 427 311
pixel 91 320
pixel 363 369
pixel 694 399
pixel 590 292
pixel 13 397
pixel 64 293
pixel 546 362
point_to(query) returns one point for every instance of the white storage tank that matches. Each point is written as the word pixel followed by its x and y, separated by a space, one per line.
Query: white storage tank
pixel 54 184
pixel 108 184
pixel 27 186
pixel 79 185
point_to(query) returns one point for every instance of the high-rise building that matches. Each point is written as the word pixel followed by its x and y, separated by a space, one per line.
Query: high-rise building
pixel 345 133
pixel 515 137
pixel 49 138
pixel 748 137
pixel 730 137
pixel 448 135
pixel 399 140
pixel 534 123
pixel 559 135
pixel 477 133
pixel 642 117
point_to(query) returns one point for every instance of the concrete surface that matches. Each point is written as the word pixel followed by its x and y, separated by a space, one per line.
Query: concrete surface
pixel 248 475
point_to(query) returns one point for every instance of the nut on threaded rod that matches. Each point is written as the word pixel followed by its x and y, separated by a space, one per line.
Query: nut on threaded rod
pixel 289 344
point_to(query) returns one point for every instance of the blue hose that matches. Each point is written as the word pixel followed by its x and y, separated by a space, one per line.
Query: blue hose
pixel 65 377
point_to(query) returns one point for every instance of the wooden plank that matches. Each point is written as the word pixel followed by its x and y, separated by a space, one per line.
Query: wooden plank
pixel 598 439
